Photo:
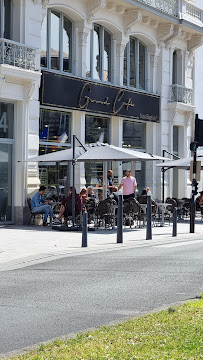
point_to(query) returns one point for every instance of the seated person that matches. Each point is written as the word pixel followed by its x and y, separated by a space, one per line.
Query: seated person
pixel 66 205
pixel 83 197
pixel 90 193
pixel 142 199
pixel 199 202
pixel 40 206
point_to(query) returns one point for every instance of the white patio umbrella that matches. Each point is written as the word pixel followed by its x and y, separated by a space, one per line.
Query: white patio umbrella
pixel 96 152
pixel 181 163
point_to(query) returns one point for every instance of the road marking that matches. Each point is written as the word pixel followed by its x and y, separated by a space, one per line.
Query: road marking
pixel 181 243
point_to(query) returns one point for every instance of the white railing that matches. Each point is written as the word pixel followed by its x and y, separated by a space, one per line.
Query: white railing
pixel 181 94
pixel 16 54
pixel 190 12
pixel 167 6
pixel 178 8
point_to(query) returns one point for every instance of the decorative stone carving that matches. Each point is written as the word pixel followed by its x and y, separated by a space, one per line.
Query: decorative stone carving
pixel 165 31
pixel 177 33
pixel 133 17
pixel 2 81
pixel 146 20
pixel 44 2
pixel 187 36
pixel 120 10
pixel 94 7
pixel 30 90
pixel 154 24
pixel 195 42
pixel 82 36
pixel 111 5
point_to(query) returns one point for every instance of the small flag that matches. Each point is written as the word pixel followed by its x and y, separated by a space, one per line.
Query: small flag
pixel 44 134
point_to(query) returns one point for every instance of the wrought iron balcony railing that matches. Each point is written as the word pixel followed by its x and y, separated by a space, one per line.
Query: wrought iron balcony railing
pixel 16 54
pixel 181 94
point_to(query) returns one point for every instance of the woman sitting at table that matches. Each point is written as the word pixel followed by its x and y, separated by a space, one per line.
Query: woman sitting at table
pixel 83 196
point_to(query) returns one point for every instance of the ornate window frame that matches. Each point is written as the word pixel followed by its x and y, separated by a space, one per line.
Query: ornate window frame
pixel 128 53
pixel 101 59
pixel 48 25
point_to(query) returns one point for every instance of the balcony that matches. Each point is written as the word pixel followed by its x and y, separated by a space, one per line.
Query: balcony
pixel 191 13
pixel 167 6
pixel 181 9
pixel 18 55
pixel 180 94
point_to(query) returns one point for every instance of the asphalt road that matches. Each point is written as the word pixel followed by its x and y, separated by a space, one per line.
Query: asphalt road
pixel 69 295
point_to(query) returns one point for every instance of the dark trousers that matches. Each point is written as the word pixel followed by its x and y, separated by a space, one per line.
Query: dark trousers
pixel 129 196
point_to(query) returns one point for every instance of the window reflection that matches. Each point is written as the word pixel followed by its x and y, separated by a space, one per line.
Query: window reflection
pixel 7 19
pixel 141 66
pixel 96 129
pixel 55 17
pixel 125 67
pixel 134 134
pixel 88 74
pixel 96 53
pixel 44 43
pixel 5 182
pixel 101 45
pixel 134 64
pixel 107 56
pixel 67 44
pixel 54 130
pixel 56 41
pixel 6 120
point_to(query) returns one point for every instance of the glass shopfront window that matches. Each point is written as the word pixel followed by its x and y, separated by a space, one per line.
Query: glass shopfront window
pixel 134 137
pixel 6 120
pixel 6 159
pixel 54 135
pixel 96 129
pixel 134 134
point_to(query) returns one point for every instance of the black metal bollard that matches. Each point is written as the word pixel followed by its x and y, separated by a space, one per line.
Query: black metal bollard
pixel 149 218
pixel 192 216
pixel 84 230
pixel 175 211
pixel 120 220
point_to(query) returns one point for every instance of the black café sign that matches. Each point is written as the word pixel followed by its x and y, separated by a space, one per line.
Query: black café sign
pixel 74 93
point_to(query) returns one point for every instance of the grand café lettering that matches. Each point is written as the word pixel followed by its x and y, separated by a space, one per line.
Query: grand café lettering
pixel 79 94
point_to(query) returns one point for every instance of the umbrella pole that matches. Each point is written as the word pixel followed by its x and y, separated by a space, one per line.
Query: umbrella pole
pixel 104 180
pixel 73 186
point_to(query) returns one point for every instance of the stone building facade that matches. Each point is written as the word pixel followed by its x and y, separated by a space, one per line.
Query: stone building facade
pixel 117 71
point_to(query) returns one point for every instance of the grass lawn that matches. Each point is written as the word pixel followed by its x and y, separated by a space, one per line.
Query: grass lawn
pixel 176 333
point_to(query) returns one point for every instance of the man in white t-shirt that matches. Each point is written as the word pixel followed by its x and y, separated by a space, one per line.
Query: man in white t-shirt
pixel 129 185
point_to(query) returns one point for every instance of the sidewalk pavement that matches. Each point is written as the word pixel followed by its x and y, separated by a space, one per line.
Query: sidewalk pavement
pixel 22 246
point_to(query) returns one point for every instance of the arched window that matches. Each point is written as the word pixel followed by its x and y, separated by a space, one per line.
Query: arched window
pixel 5 18
pixel 56 42
pixel 99 51
pixel 134 64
